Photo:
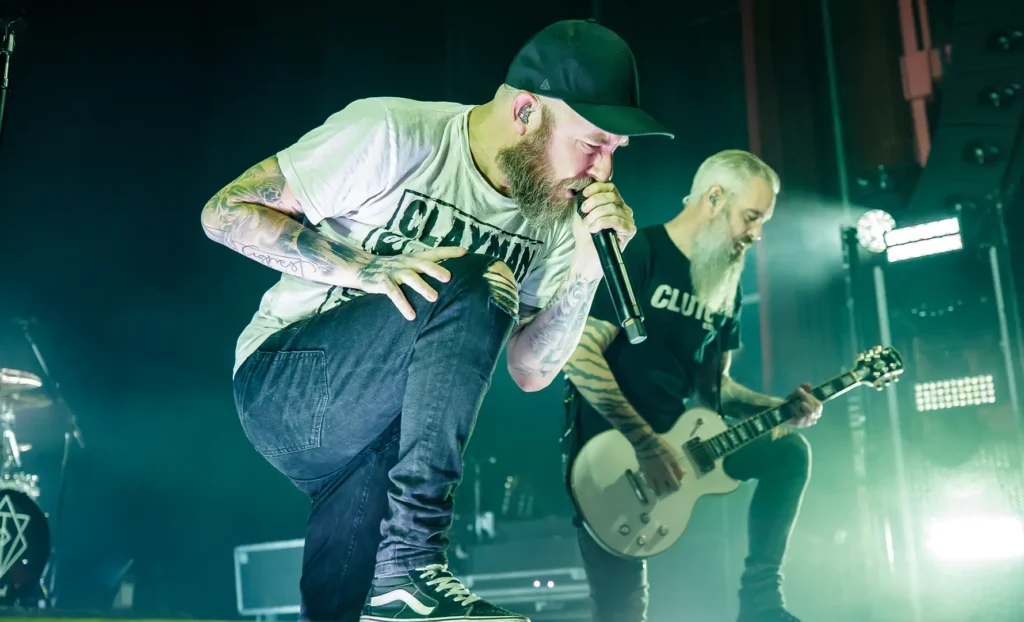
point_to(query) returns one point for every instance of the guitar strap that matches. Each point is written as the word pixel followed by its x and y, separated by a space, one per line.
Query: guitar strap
pixel 570 442
pixel 718 376
pixel 570 432
pixel 714 335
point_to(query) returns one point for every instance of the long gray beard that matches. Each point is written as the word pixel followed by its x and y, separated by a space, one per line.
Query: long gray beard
pixel 715 269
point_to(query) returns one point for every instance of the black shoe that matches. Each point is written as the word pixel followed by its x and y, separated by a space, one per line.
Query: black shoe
pixel 768 615
pixel 429 594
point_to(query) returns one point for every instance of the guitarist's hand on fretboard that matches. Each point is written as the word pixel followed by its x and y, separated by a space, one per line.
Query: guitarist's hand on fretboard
pixel 803 409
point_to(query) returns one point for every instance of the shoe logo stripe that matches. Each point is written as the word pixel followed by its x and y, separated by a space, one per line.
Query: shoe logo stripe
pixel 411 601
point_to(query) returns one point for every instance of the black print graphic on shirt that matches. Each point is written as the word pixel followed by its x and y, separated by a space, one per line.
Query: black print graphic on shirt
pixel 433 222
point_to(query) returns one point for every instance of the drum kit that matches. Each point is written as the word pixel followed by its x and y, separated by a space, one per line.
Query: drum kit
pixel 26 552
pixel 24 531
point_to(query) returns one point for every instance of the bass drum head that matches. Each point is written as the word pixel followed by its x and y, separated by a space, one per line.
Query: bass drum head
pixel 24 546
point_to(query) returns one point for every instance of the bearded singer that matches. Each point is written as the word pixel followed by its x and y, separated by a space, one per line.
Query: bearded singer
pixel 686 276
pixel 415 239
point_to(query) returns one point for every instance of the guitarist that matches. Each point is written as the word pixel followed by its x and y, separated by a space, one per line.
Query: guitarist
pixel 686 276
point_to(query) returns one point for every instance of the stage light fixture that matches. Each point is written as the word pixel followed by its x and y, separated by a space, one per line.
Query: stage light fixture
pixel 955 393
pixel 932 238
pixel 871 230
pixel 999 96
pixel 975 538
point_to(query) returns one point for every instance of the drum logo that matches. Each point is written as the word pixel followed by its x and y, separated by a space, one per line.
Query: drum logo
pixel 13 544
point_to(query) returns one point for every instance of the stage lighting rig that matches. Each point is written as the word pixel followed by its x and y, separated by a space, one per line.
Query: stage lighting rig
pixel 922 240
pixel 871 230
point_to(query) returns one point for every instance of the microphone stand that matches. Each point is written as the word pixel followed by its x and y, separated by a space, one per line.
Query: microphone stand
pixel 6 50
pixel 8 20
pixel 72 432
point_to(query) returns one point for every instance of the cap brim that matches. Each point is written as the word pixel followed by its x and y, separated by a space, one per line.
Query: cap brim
pixel 621 120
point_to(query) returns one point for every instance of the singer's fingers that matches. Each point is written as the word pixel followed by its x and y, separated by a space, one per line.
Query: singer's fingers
pixel 599 199
pixel 620 225
pixel 598 187
pixel 607 210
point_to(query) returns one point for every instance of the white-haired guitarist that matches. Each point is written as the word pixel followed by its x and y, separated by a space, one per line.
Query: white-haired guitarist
pixel 686 277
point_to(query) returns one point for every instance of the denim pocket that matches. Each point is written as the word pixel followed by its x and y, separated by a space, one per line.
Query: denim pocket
pixel 283 400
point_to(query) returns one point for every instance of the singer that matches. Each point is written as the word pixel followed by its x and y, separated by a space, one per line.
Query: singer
pixel 415 239
pixel 686 276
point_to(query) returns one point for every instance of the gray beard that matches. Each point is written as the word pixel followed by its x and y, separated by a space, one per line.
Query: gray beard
pixel 715 269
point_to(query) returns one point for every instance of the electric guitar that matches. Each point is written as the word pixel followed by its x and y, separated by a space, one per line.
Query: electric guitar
pixel 622 512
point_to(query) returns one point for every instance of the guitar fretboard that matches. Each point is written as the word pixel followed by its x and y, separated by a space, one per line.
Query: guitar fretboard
pixel 754 427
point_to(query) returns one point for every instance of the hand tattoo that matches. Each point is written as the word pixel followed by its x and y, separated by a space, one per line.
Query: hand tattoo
pixel 379 269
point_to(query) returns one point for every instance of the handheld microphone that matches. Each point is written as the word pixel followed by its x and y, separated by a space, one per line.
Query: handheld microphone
pixel 628 312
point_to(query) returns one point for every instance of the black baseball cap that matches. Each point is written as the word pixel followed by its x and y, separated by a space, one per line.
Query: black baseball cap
pixel 592 70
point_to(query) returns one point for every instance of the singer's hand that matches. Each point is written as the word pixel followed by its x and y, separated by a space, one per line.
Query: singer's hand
pixel 602 209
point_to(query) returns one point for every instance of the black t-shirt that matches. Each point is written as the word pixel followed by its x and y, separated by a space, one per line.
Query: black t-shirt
pixel 658 374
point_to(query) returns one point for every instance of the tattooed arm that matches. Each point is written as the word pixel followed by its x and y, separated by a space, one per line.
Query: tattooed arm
pixel 259 216
pixel 541 344
pixel 737 400
pixel 588 371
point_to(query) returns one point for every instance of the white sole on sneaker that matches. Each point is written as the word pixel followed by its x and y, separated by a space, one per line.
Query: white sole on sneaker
pixel 448 619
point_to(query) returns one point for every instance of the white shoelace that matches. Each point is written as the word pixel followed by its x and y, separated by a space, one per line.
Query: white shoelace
pixel 443 582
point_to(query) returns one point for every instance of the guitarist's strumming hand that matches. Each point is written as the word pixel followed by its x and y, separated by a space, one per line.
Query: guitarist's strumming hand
pixel 803 409
pixel 659 462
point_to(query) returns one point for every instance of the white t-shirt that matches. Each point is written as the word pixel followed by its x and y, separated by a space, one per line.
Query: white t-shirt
pixel 395 176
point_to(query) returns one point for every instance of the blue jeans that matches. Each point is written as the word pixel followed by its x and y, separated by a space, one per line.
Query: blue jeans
pixel 369 414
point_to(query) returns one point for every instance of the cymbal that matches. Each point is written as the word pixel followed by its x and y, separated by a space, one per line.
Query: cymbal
pixel 27 401
pixel 17 381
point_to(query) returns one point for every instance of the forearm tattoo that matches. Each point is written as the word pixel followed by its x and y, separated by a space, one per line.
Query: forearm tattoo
pixel 589 372
pixel 254 216
pixel 739 401
pixel 543 345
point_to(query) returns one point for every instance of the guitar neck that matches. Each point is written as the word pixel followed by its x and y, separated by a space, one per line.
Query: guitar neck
pixel 752 428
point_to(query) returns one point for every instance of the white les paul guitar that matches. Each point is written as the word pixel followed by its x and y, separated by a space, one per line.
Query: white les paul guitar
pixel 621 511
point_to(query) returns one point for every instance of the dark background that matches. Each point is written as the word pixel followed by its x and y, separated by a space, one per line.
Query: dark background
pixel 123 119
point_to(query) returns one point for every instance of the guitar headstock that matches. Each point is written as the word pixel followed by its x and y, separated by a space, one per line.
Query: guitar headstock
pixel 879 367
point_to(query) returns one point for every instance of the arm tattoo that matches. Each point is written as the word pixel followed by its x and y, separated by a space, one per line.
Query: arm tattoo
pixel 256 215
pixel 589 372
pixel 739 401
pixel 540 347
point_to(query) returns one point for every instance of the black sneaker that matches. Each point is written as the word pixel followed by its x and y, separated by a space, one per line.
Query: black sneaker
pixel 769 615
pixel 429 594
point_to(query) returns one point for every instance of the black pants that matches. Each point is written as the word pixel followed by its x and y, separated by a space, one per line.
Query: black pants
pixel 369 414
pixel 781 466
